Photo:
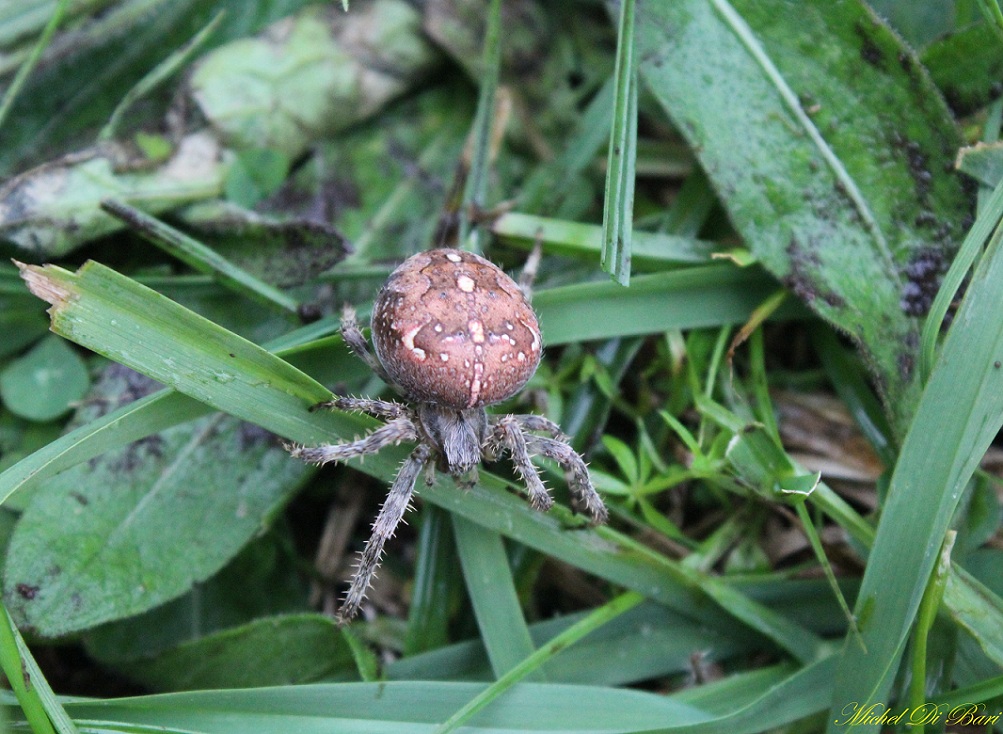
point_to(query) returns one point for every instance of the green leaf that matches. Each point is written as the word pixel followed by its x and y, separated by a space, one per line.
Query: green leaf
pixel 977 609
pixel 967 66
pixel 305 79
pixel 983 162
pixel 20 325
pixel 52 209
pixel 262 581
pixel 255 174
pixel 201 258
pixel 44 383
pixel 138 526
pixel 829 164
pixel 625 458
pixel 272 651
pixel 279 250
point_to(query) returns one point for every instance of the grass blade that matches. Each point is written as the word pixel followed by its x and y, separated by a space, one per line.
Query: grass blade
pixel 480 154
pixel 618 208
pixel 492 592
pixel 29 63
pixel 959 414
pixel 33 692
pixel 570 636
pixel 654 251
pixel 201 258
pixel 161 72
pixel 691 298
pixel 112 315
pixel 986 227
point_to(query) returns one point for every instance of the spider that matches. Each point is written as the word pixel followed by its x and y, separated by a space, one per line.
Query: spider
pixel 452 334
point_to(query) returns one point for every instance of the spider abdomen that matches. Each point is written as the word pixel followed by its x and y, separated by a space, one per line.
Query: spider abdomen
pixel 451 328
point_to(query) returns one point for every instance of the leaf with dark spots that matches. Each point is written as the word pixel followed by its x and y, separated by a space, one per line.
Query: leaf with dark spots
pixel 262 580
pixel 281 251
pixel 832 166
pixel 923 276
pixel 140 525
pixel 870 52
pixel 117 385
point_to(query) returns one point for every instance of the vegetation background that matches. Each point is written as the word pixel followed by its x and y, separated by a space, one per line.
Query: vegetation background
pixel 770 300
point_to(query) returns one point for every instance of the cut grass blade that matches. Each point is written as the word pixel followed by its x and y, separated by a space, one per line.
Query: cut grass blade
pixel 618 207
pixel 133 325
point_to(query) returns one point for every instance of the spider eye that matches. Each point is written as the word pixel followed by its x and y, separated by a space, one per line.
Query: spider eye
pixel 452 328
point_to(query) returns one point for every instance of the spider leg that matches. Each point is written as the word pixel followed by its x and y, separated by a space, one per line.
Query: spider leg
pixel 583 495
pixel 386 523
pixel 393 432
pixel 358 345
pixel 537 423
pixel 383 409
pixel 508 434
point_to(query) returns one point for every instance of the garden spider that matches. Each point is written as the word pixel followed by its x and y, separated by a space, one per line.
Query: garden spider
pixel 452 334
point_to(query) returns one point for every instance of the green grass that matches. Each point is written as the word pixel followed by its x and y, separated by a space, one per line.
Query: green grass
pixel 775 201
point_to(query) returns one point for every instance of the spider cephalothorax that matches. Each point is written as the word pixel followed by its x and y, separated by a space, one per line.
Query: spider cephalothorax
pixel 453 334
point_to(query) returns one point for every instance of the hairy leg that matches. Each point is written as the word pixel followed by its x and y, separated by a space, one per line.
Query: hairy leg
pixel 393 432
pixel 386 523
pixel 537 423
pixel 508 435
pixel 583 495
pixel 383 409
pixel 357 343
